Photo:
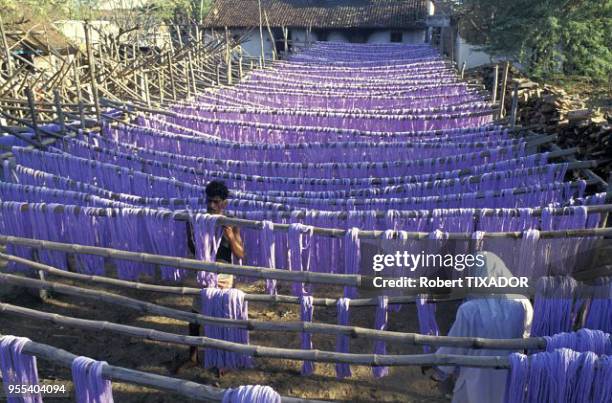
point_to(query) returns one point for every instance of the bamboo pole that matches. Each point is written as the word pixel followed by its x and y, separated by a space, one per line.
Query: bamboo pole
pixel 92 72
pixel 502 110
pixel 33 115
pixel 286 39
pixel 228 57
pixel 514 109
pixel 363 234
pixel 272 40
pixel 429 184
pixel 182 387
pixel 59 111
pixel 191 264
pixel 260 351
pixel 495 83
pixel 274 326
pixel 171 73
pixel 262 62
pixel 271 299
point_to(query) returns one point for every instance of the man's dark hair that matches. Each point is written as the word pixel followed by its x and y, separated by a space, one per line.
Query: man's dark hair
pixel 217 189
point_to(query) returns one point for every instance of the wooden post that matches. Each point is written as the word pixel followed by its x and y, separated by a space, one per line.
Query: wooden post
pixel 228 57
pixel 9 61
pixel 286 39
pixel 240 69
pixel 5 48
pixel 463 70
pixel 514 110
pixel 502 110
pixel 92 73
pixel 58 110
pixel 495 83
pixel 262 62
pixel 452 44
pixel 77 83
pixel 192 73
pixel 272 40
pixel 160 82
pixel 171 72
pixel 33 115
pixel 145 87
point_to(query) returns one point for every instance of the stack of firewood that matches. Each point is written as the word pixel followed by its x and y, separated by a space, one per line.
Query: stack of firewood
pixel 545 108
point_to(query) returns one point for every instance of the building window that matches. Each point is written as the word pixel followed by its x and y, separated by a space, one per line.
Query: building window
pixel 396 36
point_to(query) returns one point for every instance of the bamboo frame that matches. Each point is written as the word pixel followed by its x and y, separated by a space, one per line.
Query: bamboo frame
pixel 182 387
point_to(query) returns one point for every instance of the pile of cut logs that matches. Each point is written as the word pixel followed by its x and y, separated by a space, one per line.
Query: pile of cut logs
pixel 546 108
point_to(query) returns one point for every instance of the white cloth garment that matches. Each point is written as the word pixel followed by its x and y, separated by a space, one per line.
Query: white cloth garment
pixel 500 317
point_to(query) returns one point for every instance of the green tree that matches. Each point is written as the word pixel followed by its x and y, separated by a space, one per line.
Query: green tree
pixel 546 36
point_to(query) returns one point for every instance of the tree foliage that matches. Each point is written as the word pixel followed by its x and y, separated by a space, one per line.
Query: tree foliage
pixel 546 36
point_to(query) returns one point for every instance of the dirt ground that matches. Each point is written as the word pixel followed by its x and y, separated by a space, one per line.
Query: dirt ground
pixel 403 384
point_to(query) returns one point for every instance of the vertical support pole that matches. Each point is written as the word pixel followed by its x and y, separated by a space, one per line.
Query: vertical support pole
pixel 59 112
pixel 286 39
pixel 262 62
pixel 272 40
pixel 9 61
pixel 92 73
pixel 463 70
pixel 145 88
pixel 5 48
pixel 514 110
pixel 452 44
pixel 160 83
pixel 502 110
pixel 77 83
pixel 192 73
pixel 228 57
pixel 33 115
pixel 240 68
pixel 495 83
pixel 172 82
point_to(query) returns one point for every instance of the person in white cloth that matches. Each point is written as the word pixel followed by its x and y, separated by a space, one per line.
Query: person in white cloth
pixel 503 316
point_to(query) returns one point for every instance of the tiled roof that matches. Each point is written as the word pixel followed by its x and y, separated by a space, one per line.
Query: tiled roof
pixel 392 14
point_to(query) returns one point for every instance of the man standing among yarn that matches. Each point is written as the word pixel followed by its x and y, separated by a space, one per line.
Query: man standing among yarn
pixel 231 243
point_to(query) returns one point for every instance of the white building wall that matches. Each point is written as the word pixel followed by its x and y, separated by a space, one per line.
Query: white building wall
pixel 337 36
pixel 380 37
pixel 299 36
pixel 470 54
pixel 251 47
pixel 415 37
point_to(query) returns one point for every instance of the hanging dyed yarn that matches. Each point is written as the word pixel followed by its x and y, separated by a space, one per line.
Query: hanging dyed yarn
pixel 582 341
pixel 529 264
pixel 602 381
pixel 426 312
pixel 268 252
pixel 518 376
pixel 352 258
pixel 299 237
pixel 206 240
pixel 228 304
pixel 83 228
pixel 306 312
pixel 18 369
pixel 599 315
pixel 251 394
pixel 89 386
pixel 380 323
pixel 168 237
pixel 552 310
pixel 342 341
